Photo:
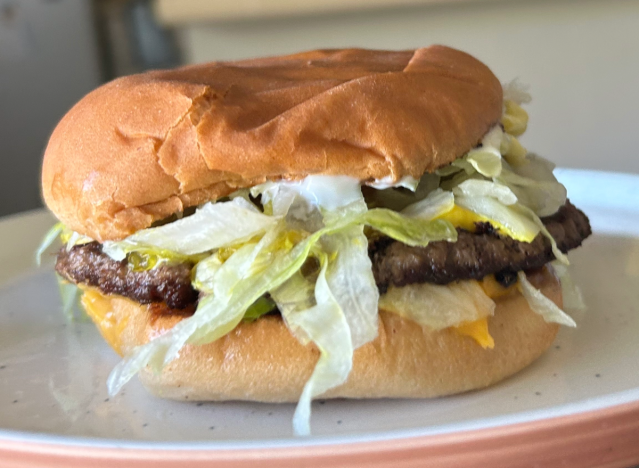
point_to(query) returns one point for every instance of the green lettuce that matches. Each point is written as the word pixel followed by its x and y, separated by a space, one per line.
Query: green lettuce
pixel 49 239
pixel 261 307
pixel 541 305
pixel 214 225
pixel 438 307
pixel 325 325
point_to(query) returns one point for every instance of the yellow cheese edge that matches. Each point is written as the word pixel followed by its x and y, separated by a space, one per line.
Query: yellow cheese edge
pixel 478 330
pixel 98 307
pixel 465 219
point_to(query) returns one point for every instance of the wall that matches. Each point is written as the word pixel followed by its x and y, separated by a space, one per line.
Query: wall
pixel 48 60
pixel 581 59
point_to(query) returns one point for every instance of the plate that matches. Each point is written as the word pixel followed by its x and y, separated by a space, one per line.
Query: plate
pixel 576 406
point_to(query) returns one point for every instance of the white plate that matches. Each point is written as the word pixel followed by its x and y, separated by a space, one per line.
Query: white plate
pixel 53 373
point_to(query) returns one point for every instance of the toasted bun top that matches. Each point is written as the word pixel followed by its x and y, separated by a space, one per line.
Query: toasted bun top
pixel 143 147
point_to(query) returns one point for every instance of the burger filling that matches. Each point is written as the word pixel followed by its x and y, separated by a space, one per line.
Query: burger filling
pixel 327 252
pixel 474 256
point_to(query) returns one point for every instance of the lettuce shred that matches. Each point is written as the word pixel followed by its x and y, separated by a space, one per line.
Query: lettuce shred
pixel 541 305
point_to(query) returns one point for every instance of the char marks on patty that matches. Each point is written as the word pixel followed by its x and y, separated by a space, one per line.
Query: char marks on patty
pixel 473 256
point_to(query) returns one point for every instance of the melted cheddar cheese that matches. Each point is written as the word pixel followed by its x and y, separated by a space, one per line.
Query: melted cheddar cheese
pixel 99 308
pixel 478 331
pixel 466 219
pixel 463 218
pixel 493 289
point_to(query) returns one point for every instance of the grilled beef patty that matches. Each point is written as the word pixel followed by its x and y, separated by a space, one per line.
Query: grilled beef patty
pixel 169 283
pixel 473 256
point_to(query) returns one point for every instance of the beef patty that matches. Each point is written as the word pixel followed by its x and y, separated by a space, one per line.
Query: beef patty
pixel 473 256
pixel 87 264
pixel 476 255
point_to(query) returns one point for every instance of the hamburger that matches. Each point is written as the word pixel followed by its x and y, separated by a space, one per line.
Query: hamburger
pixel 335 223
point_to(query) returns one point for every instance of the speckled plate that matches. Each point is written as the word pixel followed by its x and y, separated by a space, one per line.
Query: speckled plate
pixel 577 406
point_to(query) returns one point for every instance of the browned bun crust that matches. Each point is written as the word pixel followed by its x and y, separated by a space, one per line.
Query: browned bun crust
pixel 143 147
pixel 262 361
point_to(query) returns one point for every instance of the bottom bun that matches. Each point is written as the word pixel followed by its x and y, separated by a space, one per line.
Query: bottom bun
pixel 262 361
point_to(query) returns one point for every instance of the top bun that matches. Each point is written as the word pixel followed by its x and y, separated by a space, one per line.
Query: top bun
pixel 143 147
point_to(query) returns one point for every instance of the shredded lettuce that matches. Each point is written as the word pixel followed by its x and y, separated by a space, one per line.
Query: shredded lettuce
pixel 516 92
pixel 512 151
pixel 70 295
pixel 535 185
pixel 326 325
pixel 464 165
pixel 50 237
pixel 437 203
pixel 437 306
pixel 493 139
pixel 69 292
pixel 414 232
pixel 261 307
pixel 213 226
pixel 570 292
pixel 77 239
pixel 68 238
pixel 296 294
pixel 541 305
pixel 343 298
pixel 351 282
pixel 448 171
pixel 483 188
pixel 486 161
pixel 204 273
pixel 217 314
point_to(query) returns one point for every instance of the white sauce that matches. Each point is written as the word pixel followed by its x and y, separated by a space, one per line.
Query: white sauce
pixel 330 192
pixel 387 182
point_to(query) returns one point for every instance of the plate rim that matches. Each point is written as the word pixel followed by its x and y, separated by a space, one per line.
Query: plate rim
pixel 558 412
pixel 547 440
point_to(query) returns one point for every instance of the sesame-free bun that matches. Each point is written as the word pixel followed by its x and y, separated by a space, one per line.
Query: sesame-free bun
pixel 262 361
pixel 143 147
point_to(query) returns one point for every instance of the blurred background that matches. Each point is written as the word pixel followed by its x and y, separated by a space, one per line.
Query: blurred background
pixel 580 58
